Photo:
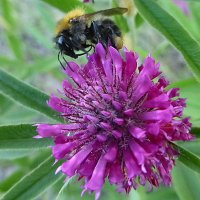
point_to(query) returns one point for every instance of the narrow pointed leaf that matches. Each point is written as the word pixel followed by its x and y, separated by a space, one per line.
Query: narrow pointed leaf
pixel 34 183
pixel 21 137
pixel 5 184
pixel 25 94
pixel 188 158
pixel 173 31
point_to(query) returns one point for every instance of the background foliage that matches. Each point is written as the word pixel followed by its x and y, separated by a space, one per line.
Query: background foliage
pixel 29 72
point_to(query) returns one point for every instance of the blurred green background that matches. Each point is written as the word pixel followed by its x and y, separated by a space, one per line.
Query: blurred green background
pixel 27 51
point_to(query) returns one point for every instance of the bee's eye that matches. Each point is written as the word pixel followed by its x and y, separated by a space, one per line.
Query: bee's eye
pixel 73 20
pixel 60 40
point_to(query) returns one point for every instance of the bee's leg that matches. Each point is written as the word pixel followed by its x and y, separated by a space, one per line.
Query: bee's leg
pixel 69 51
pixel 76 45
pixel 95 30
pixel 110 34
pixel 80 54
pixel 101 35
pixel 90 47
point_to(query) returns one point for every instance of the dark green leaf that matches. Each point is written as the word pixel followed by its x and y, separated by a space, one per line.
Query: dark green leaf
pixel 196 131
pixel 13 178
pixel 5 104
pixel 34 183
pixel 25 94
pixel 192 146
pixel 138 20
pixel 173 31
pixel 21 137
pixel 188 158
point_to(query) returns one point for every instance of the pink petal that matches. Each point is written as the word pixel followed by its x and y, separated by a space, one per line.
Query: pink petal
pixel 158 115
pixel 97 179
pixel 115 176
pixel 60 150
pixel 131 64
pixel 137 132
pixel 137 151
pixel 131 165
pixel 117 61
pixel 72 165
pixel 111 153
pixel 45 130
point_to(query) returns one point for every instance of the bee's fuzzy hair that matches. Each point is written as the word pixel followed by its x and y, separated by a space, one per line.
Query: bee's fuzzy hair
pixel 64 22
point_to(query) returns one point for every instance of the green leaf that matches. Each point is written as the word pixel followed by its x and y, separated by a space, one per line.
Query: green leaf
pixel 11 155
pixel 187 21
pixel 58 197
pixel 24 165
pixel 189 89
pixel 183 83
pixel 173 31
pixel 186 182
pixel 192 146
pixel 138 20
pixel 120 19
pixel 5 104
pixel 67 5
pixel 188 158
pixel 196 131
pixel 25 94
pixel 21 137
pixel 157 194
pixel 13 39
pixel 5 61
pixel 13 178
pixel 34 183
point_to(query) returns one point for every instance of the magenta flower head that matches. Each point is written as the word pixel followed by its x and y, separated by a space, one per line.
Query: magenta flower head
pixel 183 5
pixel 120 122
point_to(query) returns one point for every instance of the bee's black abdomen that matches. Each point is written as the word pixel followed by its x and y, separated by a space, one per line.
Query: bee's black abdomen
pixel 107 23
pixel 104 31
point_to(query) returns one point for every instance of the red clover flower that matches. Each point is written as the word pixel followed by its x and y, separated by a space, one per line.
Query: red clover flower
pixel 120 122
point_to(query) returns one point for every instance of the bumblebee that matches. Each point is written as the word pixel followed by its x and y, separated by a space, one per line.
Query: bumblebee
pixel 78 31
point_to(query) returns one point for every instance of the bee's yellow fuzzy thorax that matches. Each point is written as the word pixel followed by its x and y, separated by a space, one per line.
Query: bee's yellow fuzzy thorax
pixel 64 22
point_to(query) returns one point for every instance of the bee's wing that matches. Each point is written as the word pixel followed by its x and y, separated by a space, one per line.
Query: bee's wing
pixel 101 13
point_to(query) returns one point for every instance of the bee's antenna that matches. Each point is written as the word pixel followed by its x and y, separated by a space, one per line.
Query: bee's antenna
pixel 59 60
pixel 65 60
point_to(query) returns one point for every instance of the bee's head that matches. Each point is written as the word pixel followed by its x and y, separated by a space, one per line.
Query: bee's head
pixel 64 45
